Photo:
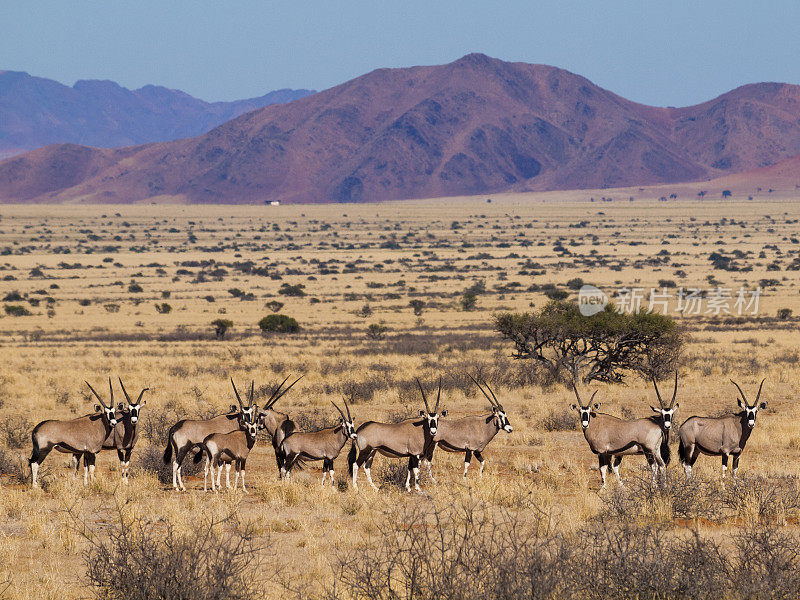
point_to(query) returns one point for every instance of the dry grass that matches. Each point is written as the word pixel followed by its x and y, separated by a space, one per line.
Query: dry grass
pixel 386 256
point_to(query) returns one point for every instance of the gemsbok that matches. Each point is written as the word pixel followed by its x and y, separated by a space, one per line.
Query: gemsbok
pixel 124 435
pixel 471 435
pixel 719 436
pixel 611 438
pixel 83 436
pixel 233 447
pixel 324 445
pixel 410 439
pixel 277 424
pixel 188 434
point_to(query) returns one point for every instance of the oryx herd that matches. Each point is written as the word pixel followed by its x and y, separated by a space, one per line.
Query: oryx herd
pixel 227 439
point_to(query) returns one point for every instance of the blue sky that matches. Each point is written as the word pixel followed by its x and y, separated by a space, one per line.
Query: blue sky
pixel 666 52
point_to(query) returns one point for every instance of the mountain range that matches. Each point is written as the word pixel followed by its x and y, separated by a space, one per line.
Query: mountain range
pixel 35 112
pixel 475 126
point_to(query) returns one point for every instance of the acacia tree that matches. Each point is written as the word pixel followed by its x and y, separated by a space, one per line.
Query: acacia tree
pixel 601 347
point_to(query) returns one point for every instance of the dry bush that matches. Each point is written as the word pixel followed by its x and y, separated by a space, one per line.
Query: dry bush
pixel 471 550
pixel 150 459
pixel 683 498
pixel 16 467
pixel 140 559
pixel 764 500
pixel 316 419
pixel 561 420
pixel 463 551
pixel 15 431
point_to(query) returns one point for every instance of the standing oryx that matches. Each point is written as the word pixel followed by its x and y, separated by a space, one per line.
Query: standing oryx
pixel 410 439
pixel 187 434
pixel 324 445
pixel 277 424
pixel 83 436
pixel 719 436
pixel 233 447
pixel 471 434
pixel 124 435
pixel 611 438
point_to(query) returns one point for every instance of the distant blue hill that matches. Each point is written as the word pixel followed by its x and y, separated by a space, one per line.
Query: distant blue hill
pixel 35 112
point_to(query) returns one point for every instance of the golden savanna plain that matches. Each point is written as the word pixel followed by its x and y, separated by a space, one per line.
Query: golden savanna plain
pixel 131 291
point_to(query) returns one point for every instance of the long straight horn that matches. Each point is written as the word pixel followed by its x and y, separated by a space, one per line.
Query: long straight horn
pixel 111 388
pixel 475 381
pixel 438 395
pixel 339 409
pixel 578 396
pixel 347 408
pixel 592 398
pixel 658 394
pixel 740 391
pixel 496 401
pixel 424 399
pixel 759 391
pixel 275 392
pixel 279 396
pixel 675 391
pixel 252 392
pixel 95 393
pixel 235 391
pixel 124 391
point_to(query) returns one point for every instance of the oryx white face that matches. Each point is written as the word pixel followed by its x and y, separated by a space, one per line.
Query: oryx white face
pixel 667 415
pixel 134 411
pixel 108 413
pixel 249 414
pixel 250 427
pixel 585 412
pixel 751 412
pixel 432 419
pixel 502 419
pixel 349 428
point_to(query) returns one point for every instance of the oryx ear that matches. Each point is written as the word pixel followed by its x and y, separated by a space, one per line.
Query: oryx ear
pixel 596 405
pixel 421 413
pixel 143 402
pixel 232 408
pixel 120 406
pixel 573 406
pixel 741 403
pixel 443 413
pixel 674 408
pixel 658 410
pixel 97 408
pixel 763 404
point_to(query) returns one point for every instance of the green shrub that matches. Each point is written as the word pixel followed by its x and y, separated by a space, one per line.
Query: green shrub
pixel 278 324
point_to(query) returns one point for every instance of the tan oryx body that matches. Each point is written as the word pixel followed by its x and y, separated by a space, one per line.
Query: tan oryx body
pixel 277 424
pixel 612 438
pixel 719 436
pixel 470 435
pixel 230 448
pixel 408 439
pixel 324 445
pixel 188 434
pixel 83 436
pixel 125 434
